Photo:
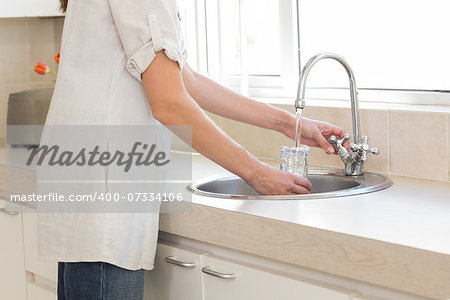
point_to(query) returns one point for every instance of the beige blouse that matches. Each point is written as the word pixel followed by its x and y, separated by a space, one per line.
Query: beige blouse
pixel 106 45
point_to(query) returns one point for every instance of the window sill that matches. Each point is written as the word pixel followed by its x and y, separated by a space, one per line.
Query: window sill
pixel 362 105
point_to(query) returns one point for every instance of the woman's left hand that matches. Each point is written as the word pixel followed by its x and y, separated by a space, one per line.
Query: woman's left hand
pixel 315 133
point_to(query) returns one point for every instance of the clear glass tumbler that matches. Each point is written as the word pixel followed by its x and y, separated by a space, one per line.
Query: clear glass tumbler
pixel 295 160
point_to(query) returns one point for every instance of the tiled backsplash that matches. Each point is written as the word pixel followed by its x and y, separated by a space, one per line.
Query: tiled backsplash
pixel 411 143
pixel 24 42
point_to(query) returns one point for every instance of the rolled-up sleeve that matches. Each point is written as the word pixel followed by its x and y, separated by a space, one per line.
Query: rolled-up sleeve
pixel 146 27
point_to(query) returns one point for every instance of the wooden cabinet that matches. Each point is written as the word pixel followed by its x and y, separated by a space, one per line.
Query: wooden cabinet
pixel 33 264
pixel 42 275
pixel 29 8
pixel 190 274
pixel 12 269
pixel 40 292
pixel 223 280
pixel 177 274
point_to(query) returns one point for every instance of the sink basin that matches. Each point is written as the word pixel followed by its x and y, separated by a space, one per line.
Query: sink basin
pixel 326 183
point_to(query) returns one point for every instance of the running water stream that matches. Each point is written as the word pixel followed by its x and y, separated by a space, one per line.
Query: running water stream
pixel 295 159
pixel 298 126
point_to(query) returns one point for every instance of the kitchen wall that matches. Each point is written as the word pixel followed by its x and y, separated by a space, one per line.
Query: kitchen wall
pixel 413 141
pixel 24 42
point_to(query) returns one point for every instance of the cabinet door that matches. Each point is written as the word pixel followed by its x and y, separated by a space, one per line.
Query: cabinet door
pixel 177 274
pixel 37 292
pixel 12 269
pixel 224 280
pixel 33 264
pixel 29 8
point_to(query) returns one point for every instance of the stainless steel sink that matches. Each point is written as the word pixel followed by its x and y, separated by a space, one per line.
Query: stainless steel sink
pixel 326 183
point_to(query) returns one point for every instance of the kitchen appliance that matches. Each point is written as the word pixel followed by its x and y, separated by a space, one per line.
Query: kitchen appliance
pixel 24 109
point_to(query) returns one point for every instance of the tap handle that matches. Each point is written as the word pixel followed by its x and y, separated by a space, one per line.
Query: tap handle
pixel 333 140
pixel 364 139
pixel 355 147
pixel 338 143
pixel 364 146
pixel 367 148
pixel 374 151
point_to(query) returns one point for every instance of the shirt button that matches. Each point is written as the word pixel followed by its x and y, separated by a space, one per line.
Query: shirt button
pixel 130 66
pixel 152 18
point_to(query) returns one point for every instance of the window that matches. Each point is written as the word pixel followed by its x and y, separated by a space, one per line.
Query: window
pixel 399 50
pixel 394 47
pixel 248 45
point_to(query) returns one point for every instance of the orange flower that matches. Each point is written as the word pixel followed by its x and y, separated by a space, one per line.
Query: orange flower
pixel 57 57
pixel 41 68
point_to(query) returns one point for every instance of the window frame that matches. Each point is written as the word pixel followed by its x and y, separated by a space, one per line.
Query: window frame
pixel 207 58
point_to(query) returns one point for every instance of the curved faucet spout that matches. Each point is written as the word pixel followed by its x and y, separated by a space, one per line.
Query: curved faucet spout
pixel 300 101
pixel 354 160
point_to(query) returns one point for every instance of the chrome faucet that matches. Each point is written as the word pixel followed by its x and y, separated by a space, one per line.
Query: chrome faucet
pixel 355 158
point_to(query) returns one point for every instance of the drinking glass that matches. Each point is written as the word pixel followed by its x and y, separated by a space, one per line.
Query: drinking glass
pixel 295 160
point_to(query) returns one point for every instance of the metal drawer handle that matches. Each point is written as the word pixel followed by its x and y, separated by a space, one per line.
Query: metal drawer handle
pixel 209 271
pixel 183 264
pixel 8 212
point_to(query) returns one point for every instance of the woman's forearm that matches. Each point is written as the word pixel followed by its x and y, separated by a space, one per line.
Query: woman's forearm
pixel 171 104
pixel 207 138
pixel 219 100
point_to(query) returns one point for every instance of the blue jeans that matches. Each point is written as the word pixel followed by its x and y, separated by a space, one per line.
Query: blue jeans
pixel 98 280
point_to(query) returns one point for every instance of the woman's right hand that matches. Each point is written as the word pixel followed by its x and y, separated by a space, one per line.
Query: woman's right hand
pixel 268 180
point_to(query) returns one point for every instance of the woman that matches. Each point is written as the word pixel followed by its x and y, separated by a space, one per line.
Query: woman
pixel 123 62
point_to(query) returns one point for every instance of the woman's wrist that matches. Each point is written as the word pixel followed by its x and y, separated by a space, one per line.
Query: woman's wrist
pixel 284 123
pixel 247 165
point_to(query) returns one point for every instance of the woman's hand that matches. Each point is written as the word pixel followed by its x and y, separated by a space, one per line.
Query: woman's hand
pixel 268 180
pixel 314 133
